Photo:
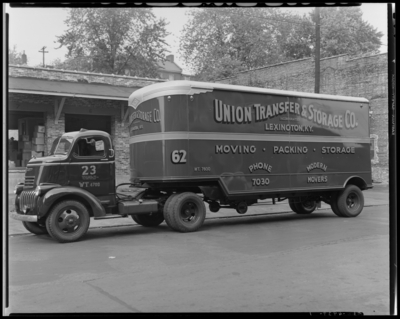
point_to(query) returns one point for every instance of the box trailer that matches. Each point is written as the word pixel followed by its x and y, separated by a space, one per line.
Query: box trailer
pixel 196 143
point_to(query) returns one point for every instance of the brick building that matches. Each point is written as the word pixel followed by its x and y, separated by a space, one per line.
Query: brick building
pixel 65 101
pixel 362 76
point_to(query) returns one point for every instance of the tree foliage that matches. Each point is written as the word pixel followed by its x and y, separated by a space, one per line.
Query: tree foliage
pixel 114 39
pixel 221 42
pixel 14 57
pixel 342 31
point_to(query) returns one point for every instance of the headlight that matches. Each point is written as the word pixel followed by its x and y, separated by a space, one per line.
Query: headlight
pixel 18 188
pixel 38 191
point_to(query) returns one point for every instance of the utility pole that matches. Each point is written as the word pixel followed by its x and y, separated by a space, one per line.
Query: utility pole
pixel 317 49
pixel 43 51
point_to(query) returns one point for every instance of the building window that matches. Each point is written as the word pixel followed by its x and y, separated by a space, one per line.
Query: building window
pixel 374 148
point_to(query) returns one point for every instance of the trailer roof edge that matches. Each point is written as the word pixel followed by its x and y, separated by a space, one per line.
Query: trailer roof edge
pixel 184 87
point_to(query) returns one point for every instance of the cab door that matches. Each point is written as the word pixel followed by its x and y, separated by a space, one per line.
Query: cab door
pixel 92 166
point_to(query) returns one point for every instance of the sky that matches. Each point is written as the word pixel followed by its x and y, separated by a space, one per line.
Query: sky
pixel 30 29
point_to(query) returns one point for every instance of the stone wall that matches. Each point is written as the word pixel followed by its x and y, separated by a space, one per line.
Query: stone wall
pixel 361 76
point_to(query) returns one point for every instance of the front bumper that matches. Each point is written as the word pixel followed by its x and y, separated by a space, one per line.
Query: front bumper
pixel 24 218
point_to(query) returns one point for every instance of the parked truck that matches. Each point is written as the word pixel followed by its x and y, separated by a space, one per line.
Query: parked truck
pixel 194 143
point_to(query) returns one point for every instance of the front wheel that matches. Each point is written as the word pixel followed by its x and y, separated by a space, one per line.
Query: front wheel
pixel 349 202
pixel 148 220
pixel 68 221
pixel 184 212
pixel 36 228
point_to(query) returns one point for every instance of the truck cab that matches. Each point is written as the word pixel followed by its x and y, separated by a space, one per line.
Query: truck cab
pixel 80 169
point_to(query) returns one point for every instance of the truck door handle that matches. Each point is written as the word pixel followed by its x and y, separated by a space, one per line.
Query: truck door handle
pixel 111 153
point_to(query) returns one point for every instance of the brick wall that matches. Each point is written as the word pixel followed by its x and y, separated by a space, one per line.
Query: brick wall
pixel 361 76
pixel 120 139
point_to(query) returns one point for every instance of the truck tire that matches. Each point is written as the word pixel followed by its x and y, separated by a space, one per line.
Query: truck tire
pixel 292 205
pixel 36 228
pixel 334 206
pixel 349 202
pixel 305 207
pixel 167 216
pixel 148 220
pixel 68 221
pixel 185 212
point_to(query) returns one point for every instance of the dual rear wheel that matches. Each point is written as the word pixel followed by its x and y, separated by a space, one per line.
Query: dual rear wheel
pixel 302 207
pixel 346 203
pixel 184 212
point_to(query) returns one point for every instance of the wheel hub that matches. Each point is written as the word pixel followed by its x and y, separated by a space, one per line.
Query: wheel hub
pixel 188 212
pixel 352 201
pixel 69 221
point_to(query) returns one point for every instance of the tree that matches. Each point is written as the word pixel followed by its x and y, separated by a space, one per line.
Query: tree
pixel 342 32
pixel 114 39
pixel 77 63
pixel 221 42
pixel 15 57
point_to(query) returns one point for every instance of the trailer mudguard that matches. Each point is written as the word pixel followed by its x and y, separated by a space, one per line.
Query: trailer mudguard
pixel 58 193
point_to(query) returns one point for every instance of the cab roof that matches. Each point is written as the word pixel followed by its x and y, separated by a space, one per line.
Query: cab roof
pixel 84 132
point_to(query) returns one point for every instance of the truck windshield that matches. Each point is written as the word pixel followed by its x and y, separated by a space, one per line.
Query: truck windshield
pixel 61 146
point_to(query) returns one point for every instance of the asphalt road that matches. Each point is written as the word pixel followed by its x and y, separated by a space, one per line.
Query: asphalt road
pixel 271 262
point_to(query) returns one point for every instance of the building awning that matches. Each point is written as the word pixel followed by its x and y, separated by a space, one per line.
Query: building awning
pixel 69 89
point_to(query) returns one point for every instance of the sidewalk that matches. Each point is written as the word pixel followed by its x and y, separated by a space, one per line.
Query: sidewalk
pixel 379 195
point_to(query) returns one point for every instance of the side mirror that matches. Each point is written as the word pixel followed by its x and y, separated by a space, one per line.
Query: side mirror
pixel 111 153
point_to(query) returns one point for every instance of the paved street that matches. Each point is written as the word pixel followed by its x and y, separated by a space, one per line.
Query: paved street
pixel 275 261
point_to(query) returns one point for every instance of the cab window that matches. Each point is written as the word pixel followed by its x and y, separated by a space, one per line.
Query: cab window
pixel 90 147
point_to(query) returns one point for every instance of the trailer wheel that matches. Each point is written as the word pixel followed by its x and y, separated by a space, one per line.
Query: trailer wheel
pixel 292 205
pixel 36 228
pixel 185 212
pixel 334 206
pixel 68 221
pixel 305 207
pixel 350 201
pixel 148 220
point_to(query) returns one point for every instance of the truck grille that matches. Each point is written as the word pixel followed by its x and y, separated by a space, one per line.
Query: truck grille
pixel 27 198
pixel 29 181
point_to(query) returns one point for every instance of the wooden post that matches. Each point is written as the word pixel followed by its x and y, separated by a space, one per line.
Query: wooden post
pixel 317 49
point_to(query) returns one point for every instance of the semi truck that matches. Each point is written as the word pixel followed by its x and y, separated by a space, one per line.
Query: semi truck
pixel 193 144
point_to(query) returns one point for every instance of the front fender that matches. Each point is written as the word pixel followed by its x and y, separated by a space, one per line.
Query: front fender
pixel 77 193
